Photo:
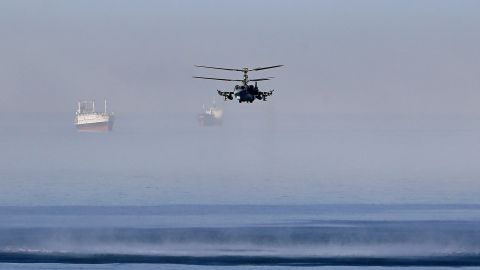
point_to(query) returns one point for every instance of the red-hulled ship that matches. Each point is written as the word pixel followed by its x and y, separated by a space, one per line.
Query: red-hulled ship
pixel 87 119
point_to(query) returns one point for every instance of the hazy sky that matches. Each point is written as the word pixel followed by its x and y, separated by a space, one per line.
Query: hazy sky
pixel 341 56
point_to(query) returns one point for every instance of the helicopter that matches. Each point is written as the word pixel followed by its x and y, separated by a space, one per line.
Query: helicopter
pixel 244 92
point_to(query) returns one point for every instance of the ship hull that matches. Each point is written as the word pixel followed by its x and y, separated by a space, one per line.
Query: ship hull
pixel 96 127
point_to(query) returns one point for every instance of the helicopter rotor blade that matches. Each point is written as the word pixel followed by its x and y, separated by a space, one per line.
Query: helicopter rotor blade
pixel 217 79
pixel 231 69
pixel 261 79
pixel 262 68
pixel 240 69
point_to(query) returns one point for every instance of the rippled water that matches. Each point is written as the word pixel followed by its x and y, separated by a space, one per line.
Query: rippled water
pixel 310 235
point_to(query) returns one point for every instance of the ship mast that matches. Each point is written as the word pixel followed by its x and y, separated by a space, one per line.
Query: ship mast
pixel 105 106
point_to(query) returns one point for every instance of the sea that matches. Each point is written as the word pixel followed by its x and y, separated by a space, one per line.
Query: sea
pixel 240 236
pixel 264 191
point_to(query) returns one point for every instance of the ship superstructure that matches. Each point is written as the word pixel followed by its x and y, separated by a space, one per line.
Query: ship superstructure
pixel 212 116
pixel 87 119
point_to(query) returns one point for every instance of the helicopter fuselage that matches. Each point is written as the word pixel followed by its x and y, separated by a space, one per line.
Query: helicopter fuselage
pixel 245 93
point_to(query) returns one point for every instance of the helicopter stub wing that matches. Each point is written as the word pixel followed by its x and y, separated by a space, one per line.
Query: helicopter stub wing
pixel 264 95
pixel 226 94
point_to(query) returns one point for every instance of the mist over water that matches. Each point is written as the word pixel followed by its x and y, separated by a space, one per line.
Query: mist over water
pixel 254 158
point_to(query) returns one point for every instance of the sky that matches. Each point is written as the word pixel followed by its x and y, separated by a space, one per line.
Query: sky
pixel 353 57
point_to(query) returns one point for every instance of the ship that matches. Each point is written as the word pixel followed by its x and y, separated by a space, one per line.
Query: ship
pixel 211 116
pixel 87 119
